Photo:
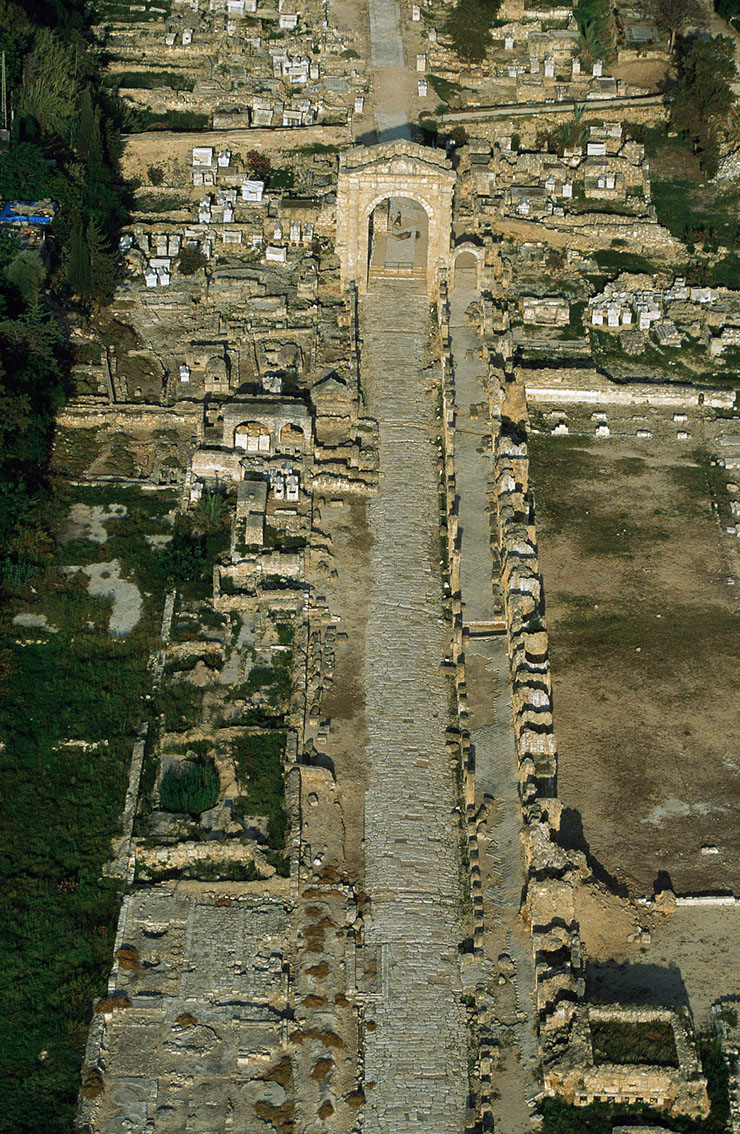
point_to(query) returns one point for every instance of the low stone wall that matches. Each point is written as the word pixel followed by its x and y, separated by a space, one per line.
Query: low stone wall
pixel 679 1089
pixel 552 872
pixel 458 741
pixel 563 391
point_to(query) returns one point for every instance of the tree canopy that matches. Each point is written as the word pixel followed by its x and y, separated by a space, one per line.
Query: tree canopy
pixel 703 97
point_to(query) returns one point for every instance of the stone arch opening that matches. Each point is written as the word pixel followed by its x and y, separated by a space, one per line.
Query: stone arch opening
pixel 254 436
pixel 398 238
pixel 468 264
pixel 400 170
pixel 291 438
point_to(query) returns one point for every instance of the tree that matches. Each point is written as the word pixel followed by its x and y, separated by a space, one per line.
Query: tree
pixel 102 265
pixel 27 273
pixel 90 266
pixel 48 92
pixel 77 262
pixel 703 98
pixel 24 173
pixel 675 15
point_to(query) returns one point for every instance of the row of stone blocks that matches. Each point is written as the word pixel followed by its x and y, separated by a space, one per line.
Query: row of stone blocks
pixel 459 743
pixel 549 869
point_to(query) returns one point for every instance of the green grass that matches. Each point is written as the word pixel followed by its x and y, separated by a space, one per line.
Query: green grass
pixel 59 807
pixel 616 1041
pixel 275 681
pixel 563 471
pixel 259 769
pixel 181 706
pixel 600 1118
pixel 184 121
pixel 120 11
pixel 190 786
pixel 160 203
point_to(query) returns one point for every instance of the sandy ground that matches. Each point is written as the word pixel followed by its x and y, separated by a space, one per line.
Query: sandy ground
pixel 644 649
pixel 87 521
pixel 344 701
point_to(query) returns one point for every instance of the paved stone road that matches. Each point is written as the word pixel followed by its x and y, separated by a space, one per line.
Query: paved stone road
pixel 417 1054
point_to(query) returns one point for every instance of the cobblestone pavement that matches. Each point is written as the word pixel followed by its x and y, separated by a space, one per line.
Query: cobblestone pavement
pixel 416 1052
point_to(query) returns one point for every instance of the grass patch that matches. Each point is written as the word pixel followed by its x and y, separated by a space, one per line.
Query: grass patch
pixel 180 705
pixel 259 768
pixel 59 807
pixel 191 786
pixel 179 121
pixel 617 1041
pixel 563 473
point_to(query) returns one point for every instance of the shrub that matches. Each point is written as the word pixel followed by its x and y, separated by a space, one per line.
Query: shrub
pixel 190 261
pixel 258 165
pixel 189 787
pixel 155 173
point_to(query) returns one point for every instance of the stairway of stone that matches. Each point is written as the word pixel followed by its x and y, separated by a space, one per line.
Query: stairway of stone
pixel 415 1035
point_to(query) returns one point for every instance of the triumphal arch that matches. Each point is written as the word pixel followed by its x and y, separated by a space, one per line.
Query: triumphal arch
pixel 370 176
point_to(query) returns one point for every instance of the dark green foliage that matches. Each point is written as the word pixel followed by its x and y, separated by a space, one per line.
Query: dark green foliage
pixel 184 559
pixel 63 145
pixel 259 768
pixel 155 173
pixel 702 98
pixel 26 272
pixel 25 175
pixel 190 261
pixel 180 706
pixel 189 786
pixel 59 806
pixel 726 272
pixel 729 10
pixel 599 1118
pixel 139 120
pixel 283 178
pixel 469 25
pixel 154 80
pixel 650 1042
pixel 596 21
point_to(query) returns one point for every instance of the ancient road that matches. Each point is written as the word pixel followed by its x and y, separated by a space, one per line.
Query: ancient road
pixel 416 1053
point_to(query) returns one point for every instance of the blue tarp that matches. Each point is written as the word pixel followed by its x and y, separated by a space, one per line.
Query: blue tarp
pixel 12 213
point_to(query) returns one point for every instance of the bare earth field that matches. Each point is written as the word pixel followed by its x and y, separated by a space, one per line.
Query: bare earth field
pixel 644 641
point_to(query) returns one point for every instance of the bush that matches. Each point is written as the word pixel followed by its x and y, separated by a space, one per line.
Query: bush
pixel 258 165
pixel 189 786
pixel 155 173
pixel 190 261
